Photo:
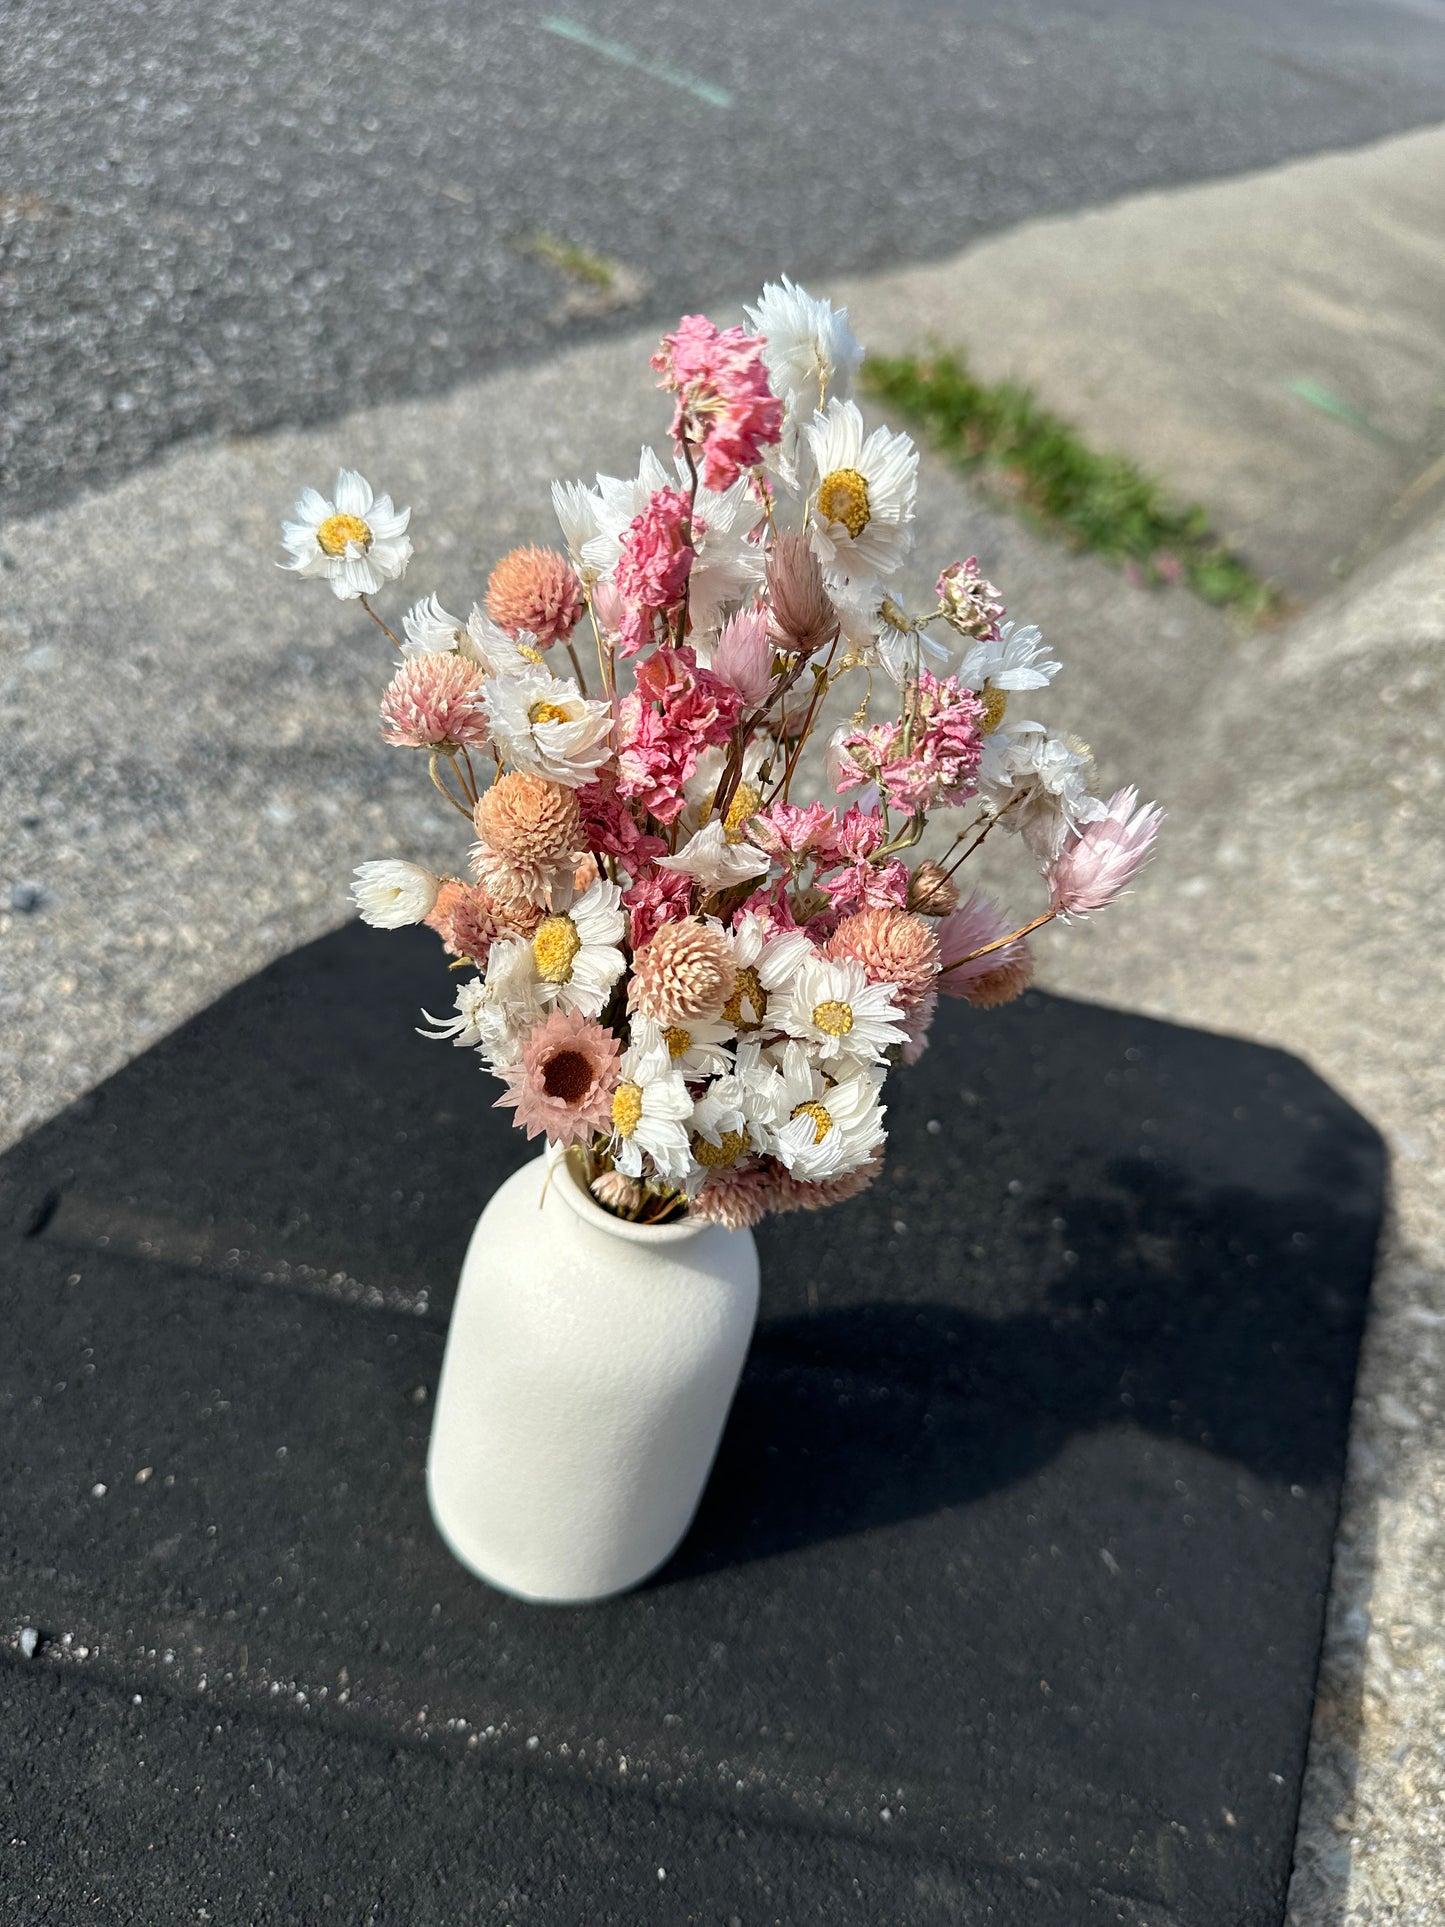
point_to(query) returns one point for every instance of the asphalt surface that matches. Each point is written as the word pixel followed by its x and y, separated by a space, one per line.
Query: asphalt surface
pixel 1003 1604
pixel 223 216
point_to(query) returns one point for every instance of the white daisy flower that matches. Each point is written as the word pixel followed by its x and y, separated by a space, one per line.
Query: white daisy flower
pixel 467 1026
pixel 861 514
pixel 701 788
pixel 576 957
pixel 811 354
pixel 831 1006
pixel 747 1099
pixel 493 650
pixel 429 630
pixel 391 894
pixel 766 967
pixel 356 542
pixel 1041 782
pixel 1008 662
pixel 828 1129
pixel 809 350
pixel 511 1003
pixel 717 858
pixel 651 1108
pixel 544 724
pixel 699 1049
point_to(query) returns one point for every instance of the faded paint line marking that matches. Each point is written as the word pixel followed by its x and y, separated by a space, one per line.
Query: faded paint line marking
pixel 596 43
pixel 1318 396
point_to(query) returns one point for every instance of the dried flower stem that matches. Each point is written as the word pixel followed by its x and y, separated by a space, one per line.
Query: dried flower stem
pixel 581 679
pixel 380 624
pixel 1000 943
pixel 435 776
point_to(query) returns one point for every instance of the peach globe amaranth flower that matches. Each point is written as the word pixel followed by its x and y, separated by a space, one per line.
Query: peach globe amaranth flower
pixel 530 819
pixel 684 971
pixel 536 592
pixel 564 1080
pixel 893 946
pixel 434 702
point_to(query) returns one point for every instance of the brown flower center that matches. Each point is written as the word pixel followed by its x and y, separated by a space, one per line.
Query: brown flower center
pixel 626 1109
pixel 338 530
pixel 678 1040
pixel 744 1009
pixel 567 1076
pixel 995 702
pixel 822 1118
pixel 843 497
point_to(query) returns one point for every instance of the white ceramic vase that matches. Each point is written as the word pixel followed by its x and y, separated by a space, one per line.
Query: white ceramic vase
pixel 589 1368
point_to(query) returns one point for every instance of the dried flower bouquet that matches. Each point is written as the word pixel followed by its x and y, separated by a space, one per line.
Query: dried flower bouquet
pixel 693 982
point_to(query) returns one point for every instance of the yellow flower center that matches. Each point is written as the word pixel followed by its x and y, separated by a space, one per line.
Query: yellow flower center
pixel 995 702
pixel 746 802
pixel 734 1143
pixel 821 1116
pixel 833 1018
pixel 554 946
pixel 744 1009
pixel 526 649
pixel 626 1109
pixel 843 497
pixel 546 713
pixel 337 530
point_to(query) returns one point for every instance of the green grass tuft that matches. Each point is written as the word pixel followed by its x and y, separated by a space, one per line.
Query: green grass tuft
pixel 1041 467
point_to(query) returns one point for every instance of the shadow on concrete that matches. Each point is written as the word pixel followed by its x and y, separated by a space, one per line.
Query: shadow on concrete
pixel 1021 1526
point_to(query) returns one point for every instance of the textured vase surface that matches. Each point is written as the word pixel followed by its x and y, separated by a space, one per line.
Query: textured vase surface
pixel 589 1368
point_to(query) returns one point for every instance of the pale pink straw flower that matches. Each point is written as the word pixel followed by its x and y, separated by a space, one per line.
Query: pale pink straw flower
pixel 434 702
pixel 991 979
pixel 1103 859
pixel 563 1083
pixel 744 654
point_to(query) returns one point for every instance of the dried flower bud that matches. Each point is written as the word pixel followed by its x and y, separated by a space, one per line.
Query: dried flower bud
pixel 932 892
pixel 802 617
pixel 618 1193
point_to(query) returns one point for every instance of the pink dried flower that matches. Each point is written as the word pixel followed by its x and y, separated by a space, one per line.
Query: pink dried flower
pixel 866 885
pixel 472 925
pixel 801 611
pixel 744 654
pixel 724 403
pixel 976 923
pixel 860 833
pixel 974 605
pixel 537 591
pixel 618 1193
pixel 893 947
pixel 438 918
pixel 434 702
pixel 564 1080
pixel 794 834
pixel 684 972
pixel 938 768
pixel 653 899
pixel 676 711
pixel 516 893
pixel 1103 859
pixel 653 569
pixel 529 819
pixel 610 828
pixel 737 1198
